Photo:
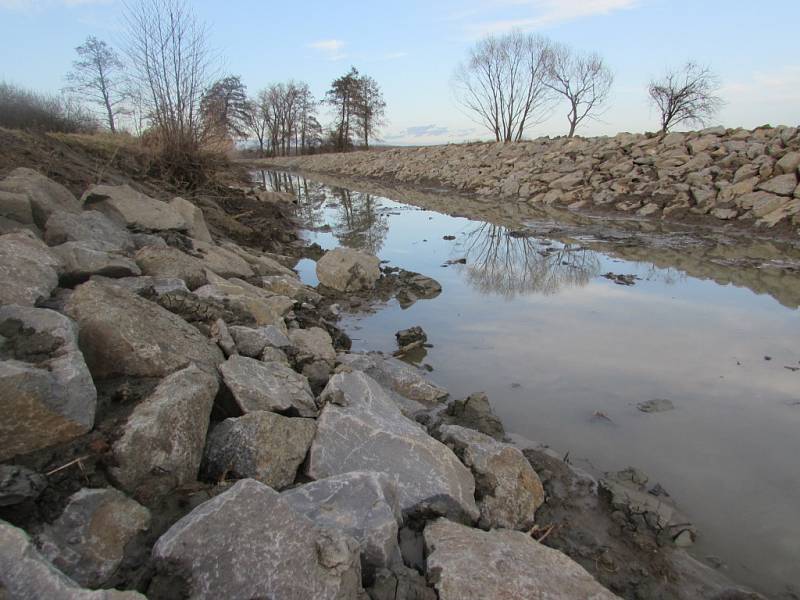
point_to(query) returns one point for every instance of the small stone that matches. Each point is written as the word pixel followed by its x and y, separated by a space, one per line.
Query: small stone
pixel 656 405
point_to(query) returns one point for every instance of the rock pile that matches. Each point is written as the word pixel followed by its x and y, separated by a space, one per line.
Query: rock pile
pixel 750 177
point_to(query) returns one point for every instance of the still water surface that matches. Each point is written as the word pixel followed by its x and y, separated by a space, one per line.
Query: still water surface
pixel 532 322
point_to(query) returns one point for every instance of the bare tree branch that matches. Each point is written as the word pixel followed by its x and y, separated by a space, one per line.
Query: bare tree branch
pixel 686 95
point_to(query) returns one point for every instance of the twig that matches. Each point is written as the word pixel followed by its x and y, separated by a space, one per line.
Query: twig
pixel 547 532
pixel 69 464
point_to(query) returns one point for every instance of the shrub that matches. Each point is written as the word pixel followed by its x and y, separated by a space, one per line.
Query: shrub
pixel 25 109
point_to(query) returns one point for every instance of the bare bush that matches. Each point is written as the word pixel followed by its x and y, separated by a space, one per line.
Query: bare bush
pixel 24 109
pixel 686 95
pixel 502 85
pixel 583 80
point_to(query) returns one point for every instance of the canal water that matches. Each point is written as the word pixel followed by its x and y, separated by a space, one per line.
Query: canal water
pixel 566 352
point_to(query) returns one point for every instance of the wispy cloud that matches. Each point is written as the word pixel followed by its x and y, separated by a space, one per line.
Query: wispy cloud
pixel 427 134
pixel 332 49
pixel 542 13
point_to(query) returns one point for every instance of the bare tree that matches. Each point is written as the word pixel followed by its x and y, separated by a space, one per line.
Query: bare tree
pixel 584 80
pixel 370 108
pixel 97 76
pixel 172 65
pixel 342 97
pixel 502 83
pixel 258 120
pixel 686 95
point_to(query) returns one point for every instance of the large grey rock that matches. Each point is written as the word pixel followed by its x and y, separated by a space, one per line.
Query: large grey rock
pixel 361 429
pixel 28 269
pixel 45 195
pixel 222 261
pixel 81 260
pixel 400 378
pixel 251 342
pixel 362 504
pixel 761 203
pixel 19 484
pixel 195 222
pixel 290 286
pixel 260 445
pixel 508 488
pixel 788 164
pixel 348 270
pixel 134 210
pixel 147 285
pixel 470 564
pixel 248 543
pixel 262 264
pixel 273 386
pixel 172 263
pixel 16 207
pixel 46 392
pixel 162 442
pixel 313 344
pixel 783 185
pixel 26 575
pixel 475 412
pixel 87 542
pixel 400 583
pixel 123 334
pixel 87 226
pixel 259 305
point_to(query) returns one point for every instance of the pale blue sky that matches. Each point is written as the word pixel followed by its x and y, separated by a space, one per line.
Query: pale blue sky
pixel 411 47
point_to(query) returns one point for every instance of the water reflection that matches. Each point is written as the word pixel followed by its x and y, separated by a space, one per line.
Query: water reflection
pixel 360 222
pixel 500 262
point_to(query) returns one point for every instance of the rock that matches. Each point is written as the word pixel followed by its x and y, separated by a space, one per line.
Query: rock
pixel 400 583
pixel 81 260
pixel 363 505
pixel 262 264
pixel 87 542
pixel 46 392
pixel 782 213
pixel 724 213
pixel 171 262
pixel 223 262
pixel 656 405
pixel 409 336
pixel 788 164
pixel 470 564
pixel 249 300
pixel 146 286
pixel 195 222
pixel 162 442
pixel 19 484
pixel 274 387
pixel 270 355
pixel 360 428
pixel 314 343
pixel 122 334
pixel 475 412
pixel 219 333
pixel 142 240
pixel 406 385
pixel 259 445
pixel 508 489
pixel 248 543
pixel 251 342
pixel 783 185
pixel 292 287
pixel 568 182
pixel 761 203
pixel 348 270
pixel 28 269
pixel 26 575
pixel 317 372
pixel 44 195
pixel 134 210
pixel 87 226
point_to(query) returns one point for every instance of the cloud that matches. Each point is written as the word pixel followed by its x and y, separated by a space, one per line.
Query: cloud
pixel 332 49
pixel 394 55
pixel 546 13
pixel 428 134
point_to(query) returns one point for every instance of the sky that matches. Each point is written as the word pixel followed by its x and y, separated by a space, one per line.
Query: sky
pixel 412 47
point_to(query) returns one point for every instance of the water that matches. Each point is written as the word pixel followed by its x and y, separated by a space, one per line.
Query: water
pixel 533 322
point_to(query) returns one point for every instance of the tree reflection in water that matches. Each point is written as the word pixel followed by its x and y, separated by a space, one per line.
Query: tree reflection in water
pixel 507 265
pixel 360 223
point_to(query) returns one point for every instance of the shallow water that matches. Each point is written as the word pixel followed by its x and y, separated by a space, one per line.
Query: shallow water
pixel 533 322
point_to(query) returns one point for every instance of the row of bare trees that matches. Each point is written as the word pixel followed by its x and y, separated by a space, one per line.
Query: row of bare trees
pixel 510 83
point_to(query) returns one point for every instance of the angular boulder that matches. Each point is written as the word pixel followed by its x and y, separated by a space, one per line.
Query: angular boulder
pixel 362 504
pixel 87 542
pixel 259 445
pixel 257 304
pixel 28 269
pixel 290 286
pixel 313 344
pixel 19 484
pixel 81 260
pixel 17 208
pixel 508 489
pixel 45 195
pixel 46 392
pixel 26 575
pixel 249 543
pixel 87 226
pixel 252 342
pixel 272 386
pixel 475 412
pixel 348 270
pixel 222 261
pixel 470 564
pixel 195 222
pixel 124 334
pixel 172 263
pixel 361 429
pixel 161 446
pixel 134 210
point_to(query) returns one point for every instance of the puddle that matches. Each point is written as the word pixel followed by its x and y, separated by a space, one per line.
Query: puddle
pixel 544 324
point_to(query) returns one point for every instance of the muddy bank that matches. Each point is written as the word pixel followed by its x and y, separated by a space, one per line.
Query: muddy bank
pixel 744 179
